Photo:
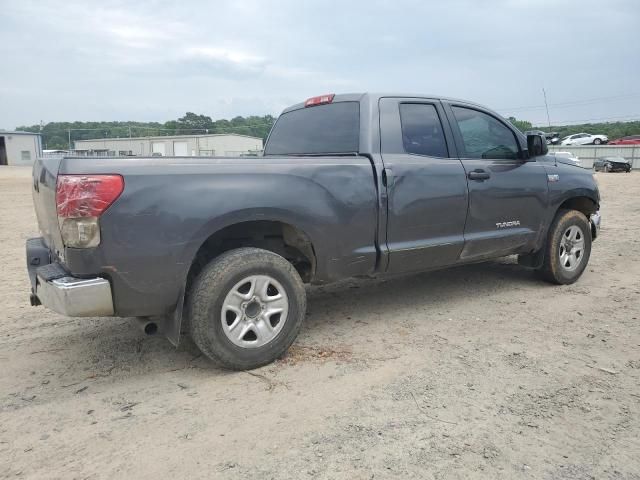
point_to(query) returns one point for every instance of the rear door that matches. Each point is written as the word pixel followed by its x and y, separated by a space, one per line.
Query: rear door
pixel 426 185
pixel 507 194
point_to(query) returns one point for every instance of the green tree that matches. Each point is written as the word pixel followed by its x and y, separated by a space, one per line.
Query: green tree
pixel 521 125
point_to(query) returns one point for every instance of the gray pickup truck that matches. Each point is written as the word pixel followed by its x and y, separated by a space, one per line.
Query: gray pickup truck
pixel 349 186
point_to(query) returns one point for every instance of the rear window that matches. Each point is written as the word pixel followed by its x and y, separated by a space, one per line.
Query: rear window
pixel 421 130
pixel 332 128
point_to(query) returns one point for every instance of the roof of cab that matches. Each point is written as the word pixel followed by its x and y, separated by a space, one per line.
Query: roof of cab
pixel 374 97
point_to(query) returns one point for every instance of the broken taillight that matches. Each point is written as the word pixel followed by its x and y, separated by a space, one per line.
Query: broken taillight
pixel 80 200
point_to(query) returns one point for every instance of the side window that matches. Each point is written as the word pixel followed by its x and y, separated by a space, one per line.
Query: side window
pixel 483 136
pixel 421 130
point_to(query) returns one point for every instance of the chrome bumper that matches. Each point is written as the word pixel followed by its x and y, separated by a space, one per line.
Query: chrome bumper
pixel 75 297
pixel 595 221
pixel 55 288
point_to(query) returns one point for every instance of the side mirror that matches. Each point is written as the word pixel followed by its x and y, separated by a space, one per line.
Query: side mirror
pixel 537 145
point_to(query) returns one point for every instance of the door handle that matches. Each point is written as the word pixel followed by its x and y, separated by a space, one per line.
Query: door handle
pixel 478 174
pixel 387 177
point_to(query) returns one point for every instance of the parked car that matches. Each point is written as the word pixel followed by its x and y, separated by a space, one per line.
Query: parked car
pixel 568 156
pixel 584 139
pixel 349 185
pixel 612 164
pixel 551 137
pixel 535 132
pixel 630 140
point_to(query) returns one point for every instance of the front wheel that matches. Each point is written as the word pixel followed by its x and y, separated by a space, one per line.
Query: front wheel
pixel 607 168
pixel 246 308
pixel 597 141
pixel 568 248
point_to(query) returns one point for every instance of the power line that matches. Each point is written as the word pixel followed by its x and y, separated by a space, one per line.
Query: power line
pixel 601 119
pixel 573 103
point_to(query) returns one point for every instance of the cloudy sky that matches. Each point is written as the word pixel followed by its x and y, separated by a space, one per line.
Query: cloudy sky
pixel 149 60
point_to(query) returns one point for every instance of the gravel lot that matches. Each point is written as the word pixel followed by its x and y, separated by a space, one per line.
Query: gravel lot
pixel 475 372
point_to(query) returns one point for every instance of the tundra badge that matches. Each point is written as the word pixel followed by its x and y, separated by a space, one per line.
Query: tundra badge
pixel 513 223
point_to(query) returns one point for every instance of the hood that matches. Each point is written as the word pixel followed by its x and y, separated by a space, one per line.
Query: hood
pixel 567 161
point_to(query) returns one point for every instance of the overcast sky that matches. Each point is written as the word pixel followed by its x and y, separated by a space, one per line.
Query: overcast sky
pixel 154 60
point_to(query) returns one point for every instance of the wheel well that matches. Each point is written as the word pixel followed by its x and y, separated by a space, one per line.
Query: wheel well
pixel 281 238
pixel 581 204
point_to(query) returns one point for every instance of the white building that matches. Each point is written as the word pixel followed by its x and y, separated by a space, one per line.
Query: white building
pixel 218 145
pixel 19 148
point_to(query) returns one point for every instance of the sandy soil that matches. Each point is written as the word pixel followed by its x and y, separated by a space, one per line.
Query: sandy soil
pixel 474 372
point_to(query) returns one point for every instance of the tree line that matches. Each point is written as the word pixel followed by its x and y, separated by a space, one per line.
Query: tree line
pixel 612 130
pixel 55 135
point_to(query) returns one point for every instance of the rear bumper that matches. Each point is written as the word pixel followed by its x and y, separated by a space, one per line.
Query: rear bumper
pixel 595 219
pixel 63 293
pixel 75 297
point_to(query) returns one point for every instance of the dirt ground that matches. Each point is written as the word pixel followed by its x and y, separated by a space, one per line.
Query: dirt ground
pixel 475 372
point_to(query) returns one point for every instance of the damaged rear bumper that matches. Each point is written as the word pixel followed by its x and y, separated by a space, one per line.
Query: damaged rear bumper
pixel 53 287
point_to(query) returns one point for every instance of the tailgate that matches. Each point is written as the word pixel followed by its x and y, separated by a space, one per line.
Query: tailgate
pixel 45 172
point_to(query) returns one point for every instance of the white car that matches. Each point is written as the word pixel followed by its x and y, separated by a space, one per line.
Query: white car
pixel 568 156
pixel 584 139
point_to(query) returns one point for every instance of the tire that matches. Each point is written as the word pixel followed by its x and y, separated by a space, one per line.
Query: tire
pixel 219 292
pixel 554 269
pixel 597 141
pixel 607 169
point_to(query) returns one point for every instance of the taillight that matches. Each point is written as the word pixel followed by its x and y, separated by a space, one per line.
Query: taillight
pixel 80 200
pixel 320 100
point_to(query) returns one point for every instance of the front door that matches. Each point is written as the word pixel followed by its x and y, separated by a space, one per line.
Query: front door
pixel 507 194
pixel 426 185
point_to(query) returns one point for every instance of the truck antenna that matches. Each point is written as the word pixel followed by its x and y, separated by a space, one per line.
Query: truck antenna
pixel 547 107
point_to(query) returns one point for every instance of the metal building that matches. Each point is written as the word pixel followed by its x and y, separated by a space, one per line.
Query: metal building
pixel 19 148
pixel 218 145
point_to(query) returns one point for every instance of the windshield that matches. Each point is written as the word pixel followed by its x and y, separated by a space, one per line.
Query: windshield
pixel 332 128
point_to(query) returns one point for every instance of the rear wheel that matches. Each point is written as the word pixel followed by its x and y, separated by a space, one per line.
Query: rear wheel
pixel 568 248
pixel 246 308
pixel 607 168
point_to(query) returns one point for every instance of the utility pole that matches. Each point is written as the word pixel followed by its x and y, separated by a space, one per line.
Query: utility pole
pixel 69 130
pixel 547 107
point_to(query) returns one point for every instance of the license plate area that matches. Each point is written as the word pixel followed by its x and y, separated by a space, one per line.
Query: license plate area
pixel 38 255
